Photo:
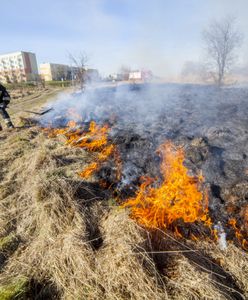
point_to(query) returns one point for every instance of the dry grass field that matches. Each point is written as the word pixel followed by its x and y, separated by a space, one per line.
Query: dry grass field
pixel 60 239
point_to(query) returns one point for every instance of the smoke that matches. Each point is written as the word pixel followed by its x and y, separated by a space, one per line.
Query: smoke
pixel 131 104
pixel 142 117
pixel 190 109
pixel 221 236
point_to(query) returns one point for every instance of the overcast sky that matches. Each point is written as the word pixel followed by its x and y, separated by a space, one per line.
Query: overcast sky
pixel 155 34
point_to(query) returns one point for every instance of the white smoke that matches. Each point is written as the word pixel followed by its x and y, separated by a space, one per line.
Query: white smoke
pixel 221 236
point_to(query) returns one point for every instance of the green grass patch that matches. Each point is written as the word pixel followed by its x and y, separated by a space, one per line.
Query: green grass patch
pixel 12 86
pixel 6 242
pixel 14 290
pixel 65 83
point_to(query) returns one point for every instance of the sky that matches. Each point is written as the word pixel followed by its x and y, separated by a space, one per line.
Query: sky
pixel 160 35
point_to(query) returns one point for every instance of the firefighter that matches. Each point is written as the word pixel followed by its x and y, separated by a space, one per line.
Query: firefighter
pixel 4 101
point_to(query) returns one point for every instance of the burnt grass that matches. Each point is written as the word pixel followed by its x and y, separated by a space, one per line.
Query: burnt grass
pixel 212 127
pixel 209 123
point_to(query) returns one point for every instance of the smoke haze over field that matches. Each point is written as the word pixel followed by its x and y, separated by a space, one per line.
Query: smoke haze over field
pixel 142 117
pixel 190 109
pixel 158 35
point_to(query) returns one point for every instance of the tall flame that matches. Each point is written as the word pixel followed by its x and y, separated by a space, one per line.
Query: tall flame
pixel 178 197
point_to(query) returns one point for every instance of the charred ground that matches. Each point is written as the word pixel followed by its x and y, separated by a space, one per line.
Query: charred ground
pixel 209 123
pixel 66 237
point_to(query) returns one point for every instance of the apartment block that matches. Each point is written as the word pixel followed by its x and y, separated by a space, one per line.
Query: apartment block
pixel 51 71
pixel 58 72
pixel 18 67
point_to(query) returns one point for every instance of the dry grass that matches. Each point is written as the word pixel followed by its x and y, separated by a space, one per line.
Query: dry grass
pixel 50 224
pixel 126 271
pixel 186 282
pixel 234 260
pixel 56 230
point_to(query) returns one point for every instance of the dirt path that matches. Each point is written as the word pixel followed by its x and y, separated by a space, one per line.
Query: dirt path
pixel 35 102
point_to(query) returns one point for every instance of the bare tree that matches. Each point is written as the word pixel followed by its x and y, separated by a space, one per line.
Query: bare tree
pixel 78 68
pixel 221 39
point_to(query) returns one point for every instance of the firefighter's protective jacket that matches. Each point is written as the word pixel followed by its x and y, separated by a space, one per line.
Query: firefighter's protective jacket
pixel 4 96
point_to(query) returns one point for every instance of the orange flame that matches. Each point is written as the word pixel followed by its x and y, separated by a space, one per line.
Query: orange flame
pixel 239 236
pixel 86 173
pixel 93 167
pixel 95 140
pixel 177 198
pixel 71 124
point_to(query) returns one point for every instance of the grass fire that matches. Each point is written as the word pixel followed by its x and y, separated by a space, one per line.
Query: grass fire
pixel 124 150
pixel 94 140
pixel 131 194
pixel 178 198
